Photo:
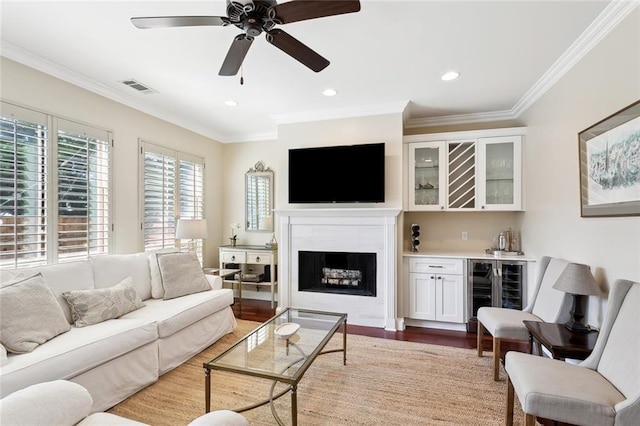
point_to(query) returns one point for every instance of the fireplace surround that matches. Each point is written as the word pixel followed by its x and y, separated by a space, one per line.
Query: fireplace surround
pixel 341 230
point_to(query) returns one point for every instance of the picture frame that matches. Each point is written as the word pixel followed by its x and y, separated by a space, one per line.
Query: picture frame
pixel 609 153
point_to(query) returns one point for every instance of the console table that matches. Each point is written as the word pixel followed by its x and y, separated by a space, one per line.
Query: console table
pixel 250 256
pixel 561 342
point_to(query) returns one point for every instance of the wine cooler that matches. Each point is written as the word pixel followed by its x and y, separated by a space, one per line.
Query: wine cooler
pixel 500 283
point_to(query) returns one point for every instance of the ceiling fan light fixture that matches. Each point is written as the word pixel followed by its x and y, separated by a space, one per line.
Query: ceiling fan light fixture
pixel 231 103
pixel 450 75
pixel 329 92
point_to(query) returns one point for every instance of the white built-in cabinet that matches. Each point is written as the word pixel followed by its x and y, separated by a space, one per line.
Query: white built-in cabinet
pixel 464 171
pixel 436 289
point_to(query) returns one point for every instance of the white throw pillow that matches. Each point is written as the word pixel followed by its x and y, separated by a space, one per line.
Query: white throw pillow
pixel 29 314
pixel 181 274
pixel 157 291
pixel 93 306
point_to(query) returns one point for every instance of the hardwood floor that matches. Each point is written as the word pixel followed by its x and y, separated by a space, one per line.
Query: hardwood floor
pixel 259 310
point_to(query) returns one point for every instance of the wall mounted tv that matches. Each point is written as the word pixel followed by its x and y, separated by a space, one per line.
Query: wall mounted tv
pixel 337 174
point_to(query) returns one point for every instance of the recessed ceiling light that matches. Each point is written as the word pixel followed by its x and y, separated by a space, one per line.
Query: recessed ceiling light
pixel 451 75
pixel 330 92
pixel 231 103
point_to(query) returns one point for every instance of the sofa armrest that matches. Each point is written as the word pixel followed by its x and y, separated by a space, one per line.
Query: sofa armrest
pixel 58 402
pixel 215 281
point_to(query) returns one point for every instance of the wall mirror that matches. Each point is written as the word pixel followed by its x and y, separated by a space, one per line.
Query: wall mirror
pixel 258 187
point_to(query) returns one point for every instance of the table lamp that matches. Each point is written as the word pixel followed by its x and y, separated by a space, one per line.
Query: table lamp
pixel 577 280
pixel 192 230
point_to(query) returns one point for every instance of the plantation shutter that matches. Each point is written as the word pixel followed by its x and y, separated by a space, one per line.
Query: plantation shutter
pixel 173 188
pixel 159 197
pixel 83 190
pixel 191 194
pixel 23 185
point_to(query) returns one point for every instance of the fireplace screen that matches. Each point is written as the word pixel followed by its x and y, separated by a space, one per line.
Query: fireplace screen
pixel 337 272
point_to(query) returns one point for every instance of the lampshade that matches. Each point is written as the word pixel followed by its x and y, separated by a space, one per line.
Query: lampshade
pixel 191 229
pixel 577 279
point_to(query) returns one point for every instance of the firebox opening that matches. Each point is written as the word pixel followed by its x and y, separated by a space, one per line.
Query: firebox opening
pixel 337 272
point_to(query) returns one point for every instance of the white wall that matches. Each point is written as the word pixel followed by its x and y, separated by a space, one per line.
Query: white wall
pixel 30 88
pixel 603 82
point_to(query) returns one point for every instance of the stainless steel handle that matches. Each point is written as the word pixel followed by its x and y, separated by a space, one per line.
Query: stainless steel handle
pixel 436 266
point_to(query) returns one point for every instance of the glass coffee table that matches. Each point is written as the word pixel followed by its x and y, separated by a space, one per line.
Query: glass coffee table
pixel 267 353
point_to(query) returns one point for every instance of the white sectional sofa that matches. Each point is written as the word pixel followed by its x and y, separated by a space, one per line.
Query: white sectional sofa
pixel 115 358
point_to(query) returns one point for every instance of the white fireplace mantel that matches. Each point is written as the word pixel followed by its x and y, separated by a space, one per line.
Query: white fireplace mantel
pixel 341 229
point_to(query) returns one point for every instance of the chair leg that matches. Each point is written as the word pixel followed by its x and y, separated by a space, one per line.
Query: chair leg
pixel 529 420
pixel 496 359
pixel 509 413
pixel 480 336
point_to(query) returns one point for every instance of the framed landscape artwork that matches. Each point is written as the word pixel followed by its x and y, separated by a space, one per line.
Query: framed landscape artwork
pixel 610 165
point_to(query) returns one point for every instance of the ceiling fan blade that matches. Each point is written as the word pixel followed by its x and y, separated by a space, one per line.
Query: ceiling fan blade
pixel 300 10
pixel 179 21
pixel 235 55
pixel 298 51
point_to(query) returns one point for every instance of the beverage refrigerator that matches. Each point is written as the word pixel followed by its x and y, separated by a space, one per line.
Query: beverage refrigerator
pixel 499 283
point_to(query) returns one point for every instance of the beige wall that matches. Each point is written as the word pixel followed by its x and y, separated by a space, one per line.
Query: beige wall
pixel 603 82
pixel 348 131
pixel 30 88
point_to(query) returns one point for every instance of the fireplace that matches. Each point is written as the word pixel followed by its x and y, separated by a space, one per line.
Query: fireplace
pixel 347 233
pixel 337 272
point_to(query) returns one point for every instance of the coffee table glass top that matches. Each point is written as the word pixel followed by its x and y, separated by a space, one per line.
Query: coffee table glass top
pixel 264 354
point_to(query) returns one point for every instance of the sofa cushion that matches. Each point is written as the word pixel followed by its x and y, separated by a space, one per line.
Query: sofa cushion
pixel 175 314
pixel 181 274
pixel 30 314
pixel 94 306
pixel 3 355
pixel 61 277
pixel 109 270
pixel 76 351
pixel 58 402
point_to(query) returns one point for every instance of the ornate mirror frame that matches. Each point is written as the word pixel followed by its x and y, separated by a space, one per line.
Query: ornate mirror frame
pixel 258 190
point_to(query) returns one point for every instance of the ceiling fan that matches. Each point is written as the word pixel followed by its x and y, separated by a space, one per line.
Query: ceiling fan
pixel 256 16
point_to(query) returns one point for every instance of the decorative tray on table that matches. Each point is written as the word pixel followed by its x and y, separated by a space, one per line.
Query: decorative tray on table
pixel 286 330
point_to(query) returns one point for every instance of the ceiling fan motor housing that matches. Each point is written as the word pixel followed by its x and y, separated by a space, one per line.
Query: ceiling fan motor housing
pixel 252 17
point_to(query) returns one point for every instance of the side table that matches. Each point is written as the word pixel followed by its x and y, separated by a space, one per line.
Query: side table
pixel 227 274
pixel 560 341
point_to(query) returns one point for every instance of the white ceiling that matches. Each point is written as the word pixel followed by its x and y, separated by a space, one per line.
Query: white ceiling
pixel 388 55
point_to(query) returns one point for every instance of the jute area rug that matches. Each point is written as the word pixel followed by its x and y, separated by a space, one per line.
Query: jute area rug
pixel 385 382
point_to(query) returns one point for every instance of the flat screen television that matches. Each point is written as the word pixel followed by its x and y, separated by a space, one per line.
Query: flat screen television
pixel 337 174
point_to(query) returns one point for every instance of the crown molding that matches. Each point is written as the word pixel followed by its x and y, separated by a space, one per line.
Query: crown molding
pixel 608 19
pixel 479 117
pixel 13 52
pixel 332 114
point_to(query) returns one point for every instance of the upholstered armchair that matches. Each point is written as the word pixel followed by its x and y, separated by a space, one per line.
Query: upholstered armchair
pixel 547 304
pixel 602 390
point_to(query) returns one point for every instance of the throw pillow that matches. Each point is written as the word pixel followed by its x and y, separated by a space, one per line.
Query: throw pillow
pixel 30 314
pixel 94 306
pixel 181 274
pixel 157 291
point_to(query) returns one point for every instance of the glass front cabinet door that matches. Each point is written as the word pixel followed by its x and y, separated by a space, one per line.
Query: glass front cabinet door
pixel 427 175
pixel 500 173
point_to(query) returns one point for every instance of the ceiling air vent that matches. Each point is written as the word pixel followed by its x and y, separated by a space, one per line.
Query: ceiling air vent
pixel 138 86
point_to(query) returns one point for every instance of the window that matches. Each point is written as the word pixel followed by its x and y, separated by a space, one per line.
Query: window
pixel 173 186
pixel 54 189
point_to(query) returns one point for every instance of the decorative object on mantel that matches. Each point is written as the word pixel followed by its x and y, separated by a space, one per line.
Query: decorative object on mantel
pixel 415 233
pixel 577 280
pixel 235 227
pixel 610 165
pixel 192 230
pixel 273 243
